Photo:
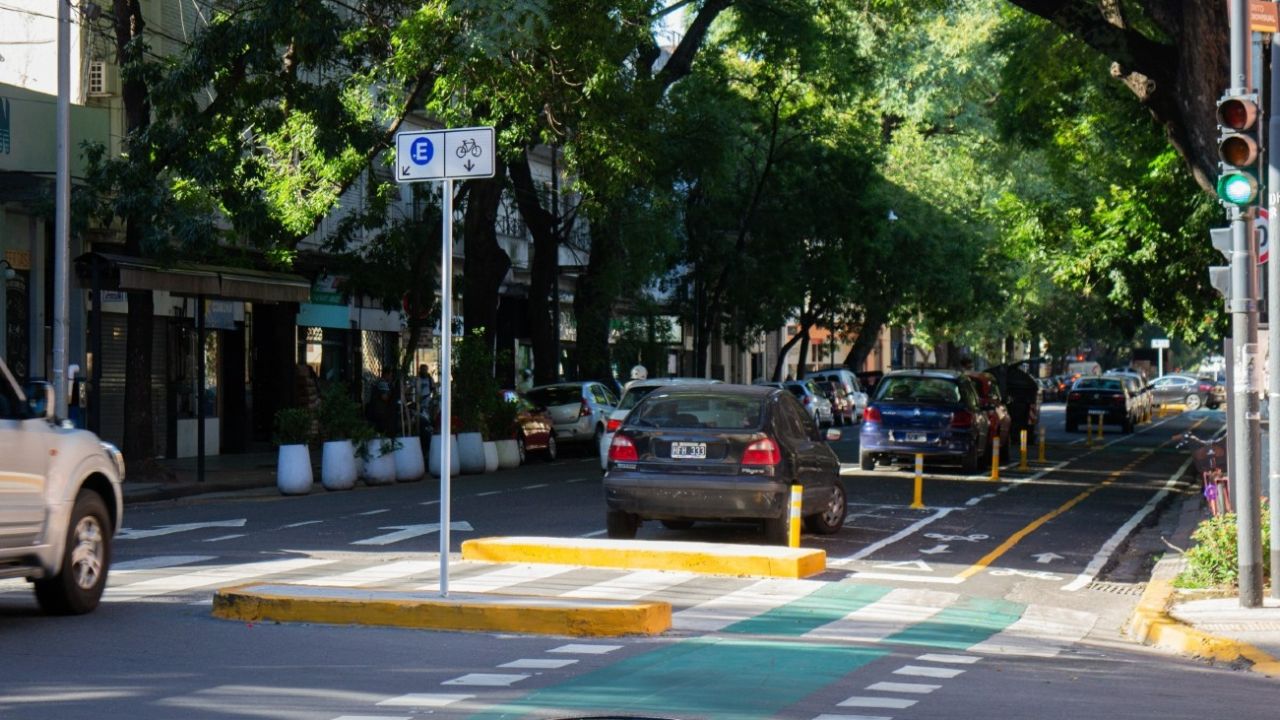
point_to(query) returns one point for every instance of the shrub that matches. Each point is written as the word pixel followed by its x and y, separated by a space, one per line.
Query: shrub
pixel 1213 562
pixel 292 426
pixel 340 417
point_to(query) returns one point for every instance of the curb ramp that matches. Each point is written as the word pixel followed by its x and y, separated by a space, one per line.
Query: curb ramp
pixel 469 612
pixel 690 557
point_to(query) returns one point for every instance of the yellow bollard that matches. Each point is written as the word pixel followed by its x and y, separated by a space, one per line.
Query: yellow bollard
pixel 1022 455
pixel 917 501
pixel 995 458
pixel 1088 431
pixel 793 527
pixel 1100 421
pixel 1042 444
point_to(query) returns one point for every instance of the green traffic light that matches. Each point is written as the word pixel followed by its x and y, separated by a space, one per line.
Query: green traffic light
pixel 1237 188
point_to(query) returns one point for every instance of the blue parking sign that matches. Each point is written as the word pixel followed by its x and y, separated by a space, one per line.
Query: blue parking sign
pixel 421 150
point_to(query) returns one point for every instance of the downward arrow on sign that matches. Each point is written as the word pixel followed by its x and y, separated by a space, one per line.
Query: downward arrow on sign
pixel 1046 558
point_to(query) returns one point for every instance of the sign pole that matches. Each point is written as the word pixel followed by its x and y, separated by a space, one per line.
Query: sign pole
pixel 446 366
pixel 1273 317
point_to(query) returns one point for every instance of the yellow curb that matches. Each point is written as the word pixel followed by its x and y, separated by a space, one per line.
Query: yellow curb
pixel 462 612
pixel 691 557
pixel 1151 624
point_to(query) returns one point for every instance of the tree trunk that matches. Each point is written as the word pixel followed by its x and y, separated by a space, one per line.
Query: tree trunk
pixel 593 303
pixel 486 263
pixel 786 348
pixel 543 269
pixel 865 340
pixel 804 355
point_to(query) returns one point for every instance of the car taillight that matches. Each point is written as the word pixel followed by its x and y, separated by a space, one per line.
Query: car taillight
pixel 871 414
pixel 1118 400
pixel 622 449
pixel 612 425
pixel 961 419
pixel 1205 387
pixel 806 399
pixel 1074 396
pixel 762 452
pixel 584 410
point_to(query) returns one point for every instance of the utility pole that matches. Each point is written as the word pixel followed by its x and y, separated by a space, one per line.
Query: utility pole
pixel 62 213
pixel 1244 333
pixel 1273 315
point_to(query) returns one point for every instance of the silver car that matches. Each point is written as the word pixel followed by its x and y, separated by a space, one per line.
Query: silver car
pixel 579 410
pixel 635 391
pixel 813 400
pixel 62 502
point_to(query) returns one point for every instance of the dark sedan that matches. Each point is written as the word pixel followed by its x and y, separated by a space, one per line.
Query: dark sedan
pixel 1102 399
pixel 723 453
pixel 935 413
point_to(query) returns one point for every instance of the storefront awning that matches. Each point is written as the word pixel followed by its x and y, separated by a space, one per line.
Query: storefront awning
pixel 122 272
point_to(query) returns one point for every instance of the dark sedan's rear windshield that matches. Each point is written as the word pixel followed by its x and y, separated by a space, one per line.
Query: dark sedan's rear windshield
pixel 1098 384
pixel 918 389
pixel 699 411
pixel 634 395
pixel 548 396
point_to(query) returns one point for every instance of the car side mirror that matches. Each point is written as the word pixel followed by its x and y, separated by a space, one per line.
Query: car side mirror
pixel 834 434
pixel 40 400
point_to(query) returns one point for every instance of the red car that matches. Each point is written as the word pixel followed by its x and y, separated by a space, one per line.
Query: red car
pixel 990 401
pixel 535 432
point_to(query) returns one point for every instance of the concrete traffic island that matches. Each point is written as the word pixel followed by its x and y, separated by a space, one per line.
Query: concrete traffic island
pixel 690 557
pixel 428 610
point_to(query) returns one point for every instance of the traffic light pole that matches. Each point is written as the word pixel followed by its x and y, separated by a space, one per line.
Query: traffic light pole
pixel 1273 316
pixel 1244 332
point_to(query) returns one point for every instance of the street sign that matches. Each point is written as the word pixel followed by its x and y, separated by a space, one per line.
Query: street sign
pixel 1263 17
pixel 1261 227
pixel 1160 343
pixel 460 153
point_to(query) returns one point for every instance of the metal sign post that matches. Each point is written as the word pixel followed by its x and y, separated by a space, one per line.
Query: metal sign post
pixel 445 155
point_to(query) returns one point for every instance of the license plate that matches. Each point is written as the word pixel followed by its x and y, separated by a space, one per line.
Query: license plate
pixel 689 450
pixel 1097 412
pixel 917 437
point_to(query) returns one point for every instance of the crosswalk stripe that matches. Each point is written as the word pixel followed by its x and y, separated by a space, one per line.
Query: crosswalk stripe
pixel 917 688
pixel 374 575
pixel 891 614
pixel 424 700
pixel 739 605
pixel 488 679
pixel 889 703
pixel 1042 631
pixel 932 672
pixel 828 716
pixel 213 575
pixel 504 577
pixel 157 562
pixel 632 586
pixel 945 658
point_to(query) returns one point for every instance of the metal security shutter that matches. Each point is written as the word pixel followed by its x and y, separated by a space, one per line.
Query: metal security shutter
pixel 113 377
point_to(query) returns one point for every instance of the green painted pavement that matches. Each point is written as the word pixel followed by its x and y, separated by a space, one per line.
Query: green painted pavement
pixel 700 677
pixel 827 604
pixel 966 623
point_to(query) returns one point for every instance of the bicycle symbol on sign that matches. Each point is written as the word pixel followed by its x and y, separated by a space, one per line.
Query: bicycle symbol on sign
pixel 468 146
pixel 953 538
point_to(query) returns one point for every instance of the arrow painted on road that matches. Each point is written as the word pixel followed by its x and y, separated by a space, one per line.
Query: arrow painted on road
pixel 405 532
pixel 935 550
pixel 918 565
pixel 129 534
pixel 1046 558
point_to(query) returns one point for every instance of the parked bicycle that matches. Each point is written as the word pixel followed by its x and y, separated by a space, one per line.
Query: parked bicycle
pixel 1210 459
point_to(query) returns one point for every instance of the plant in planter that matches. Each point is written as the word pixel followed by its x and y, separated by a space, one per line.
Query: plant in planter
pixel 293 463
pixel 339 421
pixel 474 391
pixel 504 424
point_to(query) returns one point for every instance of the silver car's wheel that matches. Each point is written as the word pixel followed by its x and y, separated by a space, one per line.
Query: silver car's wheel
pixel 1193 401
pixel 78 586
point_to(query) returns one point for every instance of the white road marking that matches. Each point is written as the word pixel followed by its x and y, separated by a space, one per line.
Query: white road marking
pixel 1103 555
pixel 828 716
pixel 304 522
pixel 424 700
pixel 583 649
pixel 633 585
pixel 891 614
pixel 597 533
pixel 747 602
pixel 504 577
pixel 930 672
pixel 537 664
pixel 1042 631
pixel 945 658
pixel 877 702
pixel 408 532
pixel 488 679
pixel 373 717
pixel 374 512
pixel 535 487
pixel 220 538
pixel 916 688
pixel 491 492
pixel 905 532
pixel 155 563
pixel 895 577
pixel 915 565
pixel 220 575
pixel 131 534
pixel 374 574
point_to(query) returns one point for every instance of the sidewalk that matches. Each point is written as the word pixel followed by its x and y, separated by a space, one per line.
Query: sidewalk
pixel 223 473
pixel 1218 629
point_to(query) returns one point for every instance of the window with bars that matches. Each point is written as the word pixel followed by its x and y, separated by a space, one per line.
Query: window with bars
pixel 97 77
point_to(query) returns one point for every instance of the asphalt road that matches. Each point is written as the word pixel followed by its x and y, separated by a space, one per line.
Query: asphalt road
pixel 997 599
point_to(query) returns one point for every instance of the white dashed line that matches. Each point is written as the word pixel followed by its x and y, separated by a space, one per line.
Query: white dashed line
pixel 580 649
pixel 374 512
pixel 304 522
pixel 931 672
pixel 877 702
pixel 915 688
pixel 424 700
pixel 487 679
pixel 954 659
pixel 537 664
pixel 220 538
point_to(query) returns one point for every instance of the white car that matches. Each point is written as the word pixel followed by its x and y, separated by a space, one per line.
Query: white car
pixel 634 392
pixel 62 500
pixel 578 409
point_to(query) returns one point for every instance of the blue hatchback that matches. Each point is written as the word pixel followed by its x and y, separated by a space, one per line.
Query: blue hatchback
pixel 931 412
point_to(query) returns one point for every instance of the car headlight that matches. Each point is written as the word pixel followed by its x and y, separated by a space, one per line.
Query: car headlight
pixel 117 457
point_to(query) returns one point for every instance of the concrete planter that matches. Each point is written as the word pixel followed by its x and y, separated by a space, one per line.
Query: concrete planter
pixel 338 465
pixel 408 459
pixel 379 468
pixel 490 456
pixel 508 454
pixel 471 453
pixel 293 470
pixel 434 458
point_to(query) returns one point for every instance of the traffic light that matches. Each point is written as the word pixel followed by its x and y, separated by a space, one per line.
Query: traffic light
pixel 1238 150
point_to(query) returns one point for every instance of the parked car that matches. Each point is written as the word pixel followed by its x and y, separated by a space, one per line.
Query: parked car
pixel 62 501
pixel 815 402
pixel 579 410
pixel 691 453
pixel 636 391
pixel 932 412
pixel 536 433
pixel 1103 397
pixel 992 403
pixel 841 407
pixel 1140 391
pixel 1023 394
pixel 851 385
pixel 869 378
pixel 1190 391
